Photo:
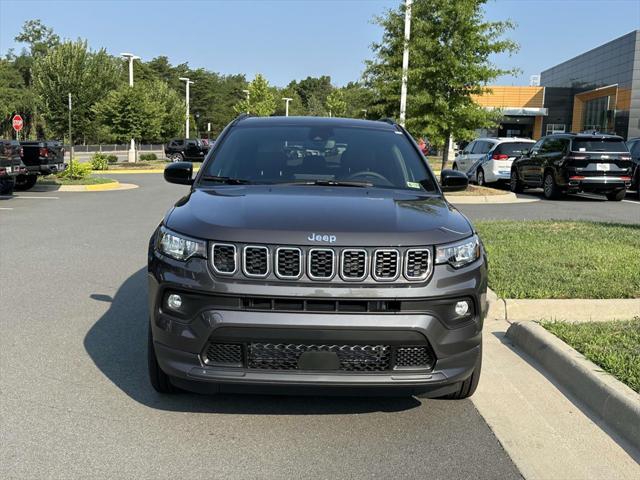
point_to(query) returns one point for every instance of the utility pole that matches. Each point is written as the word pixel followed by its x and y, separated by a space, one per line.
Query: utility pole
pixel 248 94
pixel 131 57
pixel 405 61
pixel 286 105
pixel 70 138
pixel 187 83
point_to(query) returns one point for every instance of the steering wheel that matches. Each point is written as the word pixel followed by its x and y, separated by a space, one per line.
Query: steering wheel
pixel 367 173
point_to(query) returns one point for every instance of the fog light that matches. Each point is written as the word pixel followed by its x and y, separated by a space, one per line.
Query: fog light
pixel 462 308
pixel 175 301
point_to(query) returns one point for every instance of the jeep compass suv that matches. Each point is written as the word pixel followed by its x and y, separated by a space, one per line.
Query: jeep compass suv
pixel 316 254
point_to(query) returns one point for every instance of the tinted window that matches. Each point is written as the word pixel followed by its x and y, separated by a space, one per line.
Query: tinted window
pixel 598 145
pixel 553 145
pixel 286 154
pixel 513 149
pixel 481 147
pixel 469 148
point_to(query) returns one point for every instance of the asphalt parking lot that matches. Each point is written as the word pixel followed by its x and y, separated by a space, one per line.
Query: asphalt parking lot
pixel 76 402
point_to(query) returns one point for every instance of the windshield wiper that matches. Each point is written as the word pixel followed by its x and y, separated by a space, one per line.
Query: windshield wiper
pixel 227 180
pixel 332 183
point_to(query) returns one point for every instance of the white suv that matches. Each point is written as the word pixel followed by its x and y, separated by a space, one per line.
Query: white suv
pixel 488 160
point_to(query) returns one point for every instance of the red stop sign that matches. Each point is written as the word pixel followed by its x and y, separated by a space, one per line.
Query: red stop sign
pixel 17 123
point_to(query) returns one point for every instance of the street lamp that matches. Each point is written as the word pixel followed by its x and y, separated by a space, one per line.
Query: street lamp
pixel 405 62
pixel 248 94
pixel 131 57
pixel 364 111
pixel 286 105
pixel 187 83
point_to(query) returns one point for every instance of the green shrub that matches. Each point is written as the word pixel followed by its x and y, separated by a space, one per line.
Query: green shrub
pixel 111 158
pixel 76 170
pixel 100 161
pixel 147 156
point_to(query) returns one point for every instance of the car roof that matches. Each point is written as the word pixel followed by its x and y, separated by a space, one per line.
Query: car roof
pixel 597 136
pixel 504 139
pixel 316 122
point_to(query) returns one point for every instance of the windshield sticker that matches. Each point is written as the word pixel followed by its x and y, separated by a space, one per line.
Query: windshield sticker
pixel 413 185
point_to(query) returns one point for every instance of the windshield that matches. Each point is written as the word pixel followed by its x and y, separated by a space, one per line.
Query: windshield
pixel 598 145
pixel 323 154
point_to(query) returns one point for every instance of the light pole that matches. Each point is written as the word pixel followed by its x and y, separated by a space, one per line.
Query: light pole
pixel 248 94
pixel 286 105
pixel 187 83
pixel 405 61
pixel 131 57
pixel 364 111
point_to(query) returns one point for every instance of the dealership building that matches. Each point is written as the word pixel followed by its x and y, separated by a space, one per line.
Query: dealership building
pixel 597 90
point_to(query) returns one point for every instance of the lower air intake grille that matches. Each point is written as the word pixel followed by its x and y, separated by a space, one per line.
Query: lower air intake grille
pixel 352 358
pixel 385 265
pixel 224 258
pixel 417 264
pixel 256 261
pixel 414 357
pixel 223 354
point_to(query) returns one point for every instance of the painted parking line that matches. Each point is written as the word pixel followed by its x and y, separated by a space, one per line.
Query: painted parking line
pixel 631 201
pixel 27 197
pixel 6 208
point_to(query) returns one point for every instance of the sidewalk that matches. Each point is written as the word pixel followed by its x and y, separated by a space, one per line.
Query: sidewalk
pixel 546 432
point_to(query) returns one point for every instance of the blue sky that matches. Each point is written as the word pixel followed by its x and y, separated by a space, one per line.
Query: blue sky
pixel 291 39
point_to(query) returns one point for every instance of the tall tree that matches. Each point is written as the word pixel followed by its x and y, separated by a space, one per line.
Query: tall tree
pixel 336 103
pixel 261 101
pixel 38 36
pixel 450 55
pixel 72 68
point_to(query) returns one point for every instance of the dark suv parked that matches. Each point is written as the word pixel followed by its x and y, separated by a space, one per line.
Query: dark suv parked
pixel 634 148
pixel 10 165
pixel 316 254
pixel 571 163
pixel 189 149
pixel 40 158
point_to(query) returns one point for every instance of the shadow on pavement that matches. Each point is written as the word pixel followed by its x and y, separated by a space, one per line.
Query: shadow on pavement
pixel 117 344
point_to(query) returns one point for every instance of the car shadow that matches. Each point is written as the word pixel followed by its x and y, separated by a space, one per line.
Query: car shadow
pixel 502 337
pixel 117 344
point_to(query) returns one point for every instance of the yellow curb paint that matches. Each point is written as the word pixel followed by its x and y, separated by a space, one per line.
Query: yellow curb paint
pixel 102 186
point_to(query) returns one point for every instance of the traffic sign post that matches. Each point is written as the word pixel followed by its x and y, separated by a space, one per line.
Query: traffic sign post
pixel 17 124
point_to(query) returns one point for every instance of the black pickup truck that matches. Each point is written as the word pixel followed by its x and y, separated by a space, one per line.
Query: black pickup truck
pixel 40 158
pixel 186 149
pixel 11 165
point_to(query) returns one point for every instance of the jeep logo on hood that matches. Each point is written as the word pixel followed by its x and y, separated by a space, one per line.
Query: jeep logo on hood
pixel 318 237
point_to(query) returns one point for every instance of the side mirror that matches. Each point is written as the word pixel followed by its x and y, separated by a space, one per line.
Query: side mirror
pixel 453 181
pixel 179 172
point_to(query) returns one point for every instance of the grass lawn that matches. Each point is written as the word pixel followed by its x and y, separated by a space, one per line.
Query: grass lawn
pixel 614 346
pixel 53 180
pixel 141 164
pixel 562 259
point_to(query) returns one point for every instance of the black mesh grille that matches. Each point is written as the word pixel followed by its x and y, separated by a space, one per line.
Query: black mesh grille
pixel 352 358
pixel 224 258
pixel 224 354
pixel 288 263
pixel 354 264
pixel 414 357
pixel 418 263
pixel 256 261
pixel 321 264
pixel 386 264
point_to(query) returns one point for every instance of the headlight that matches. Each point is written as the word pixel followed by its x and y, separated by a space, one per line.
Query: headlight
pixel 459 254
pixel 178 246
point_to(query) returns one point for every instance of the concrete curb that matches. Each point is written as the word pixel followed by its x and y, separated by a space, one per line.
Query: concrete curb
pixel 616 404
pixel 507 197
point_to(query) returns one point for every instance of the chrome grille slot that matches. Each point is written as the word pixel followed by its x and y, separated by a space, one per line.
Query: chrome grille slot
pixel 256 261
pixel 353 264
pixel 321 264
pixel 417 264
pixel 385 264
pixel 223 258
pixel 288 263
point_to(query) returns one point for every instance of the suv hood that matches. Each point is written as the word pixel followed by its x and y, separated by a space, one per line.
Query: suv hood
pixel 291 214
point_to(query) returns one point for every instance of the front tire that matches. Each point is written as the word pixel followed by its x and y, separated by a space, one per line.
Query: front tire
pixel 480 178
pixel 617 196
pixel 514 182
pixel 160 381
pixel 468 386
pixel 177 157
pixel 25 182
pixel 550 187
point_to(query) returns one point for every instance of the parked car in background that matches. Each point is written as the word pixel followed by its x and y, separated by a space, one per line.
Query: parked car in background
pixel 495 166
pixel 472 152
pixel 10 165
pixel 186 149
pixel 572 163
pixel 634 148
pixel 40 158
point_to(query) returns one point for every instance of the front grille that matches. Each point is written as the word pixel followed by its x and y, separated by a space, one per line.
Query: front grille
pixel 417 264
pixel 288 263
pixel 354 264
pixel 321 264
pixel 385 266
pixel 256 261
pixel 414 357
pixel 224 258
pixel 285 356
pixel 223 354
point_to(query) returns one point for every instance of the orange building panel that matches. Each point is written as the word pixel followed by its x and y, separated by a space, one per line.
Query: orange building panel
pixel 511 96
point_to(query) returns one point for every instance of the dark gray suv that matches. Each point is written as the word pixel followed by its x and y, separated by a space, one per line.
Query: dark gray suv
pixel 316 255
